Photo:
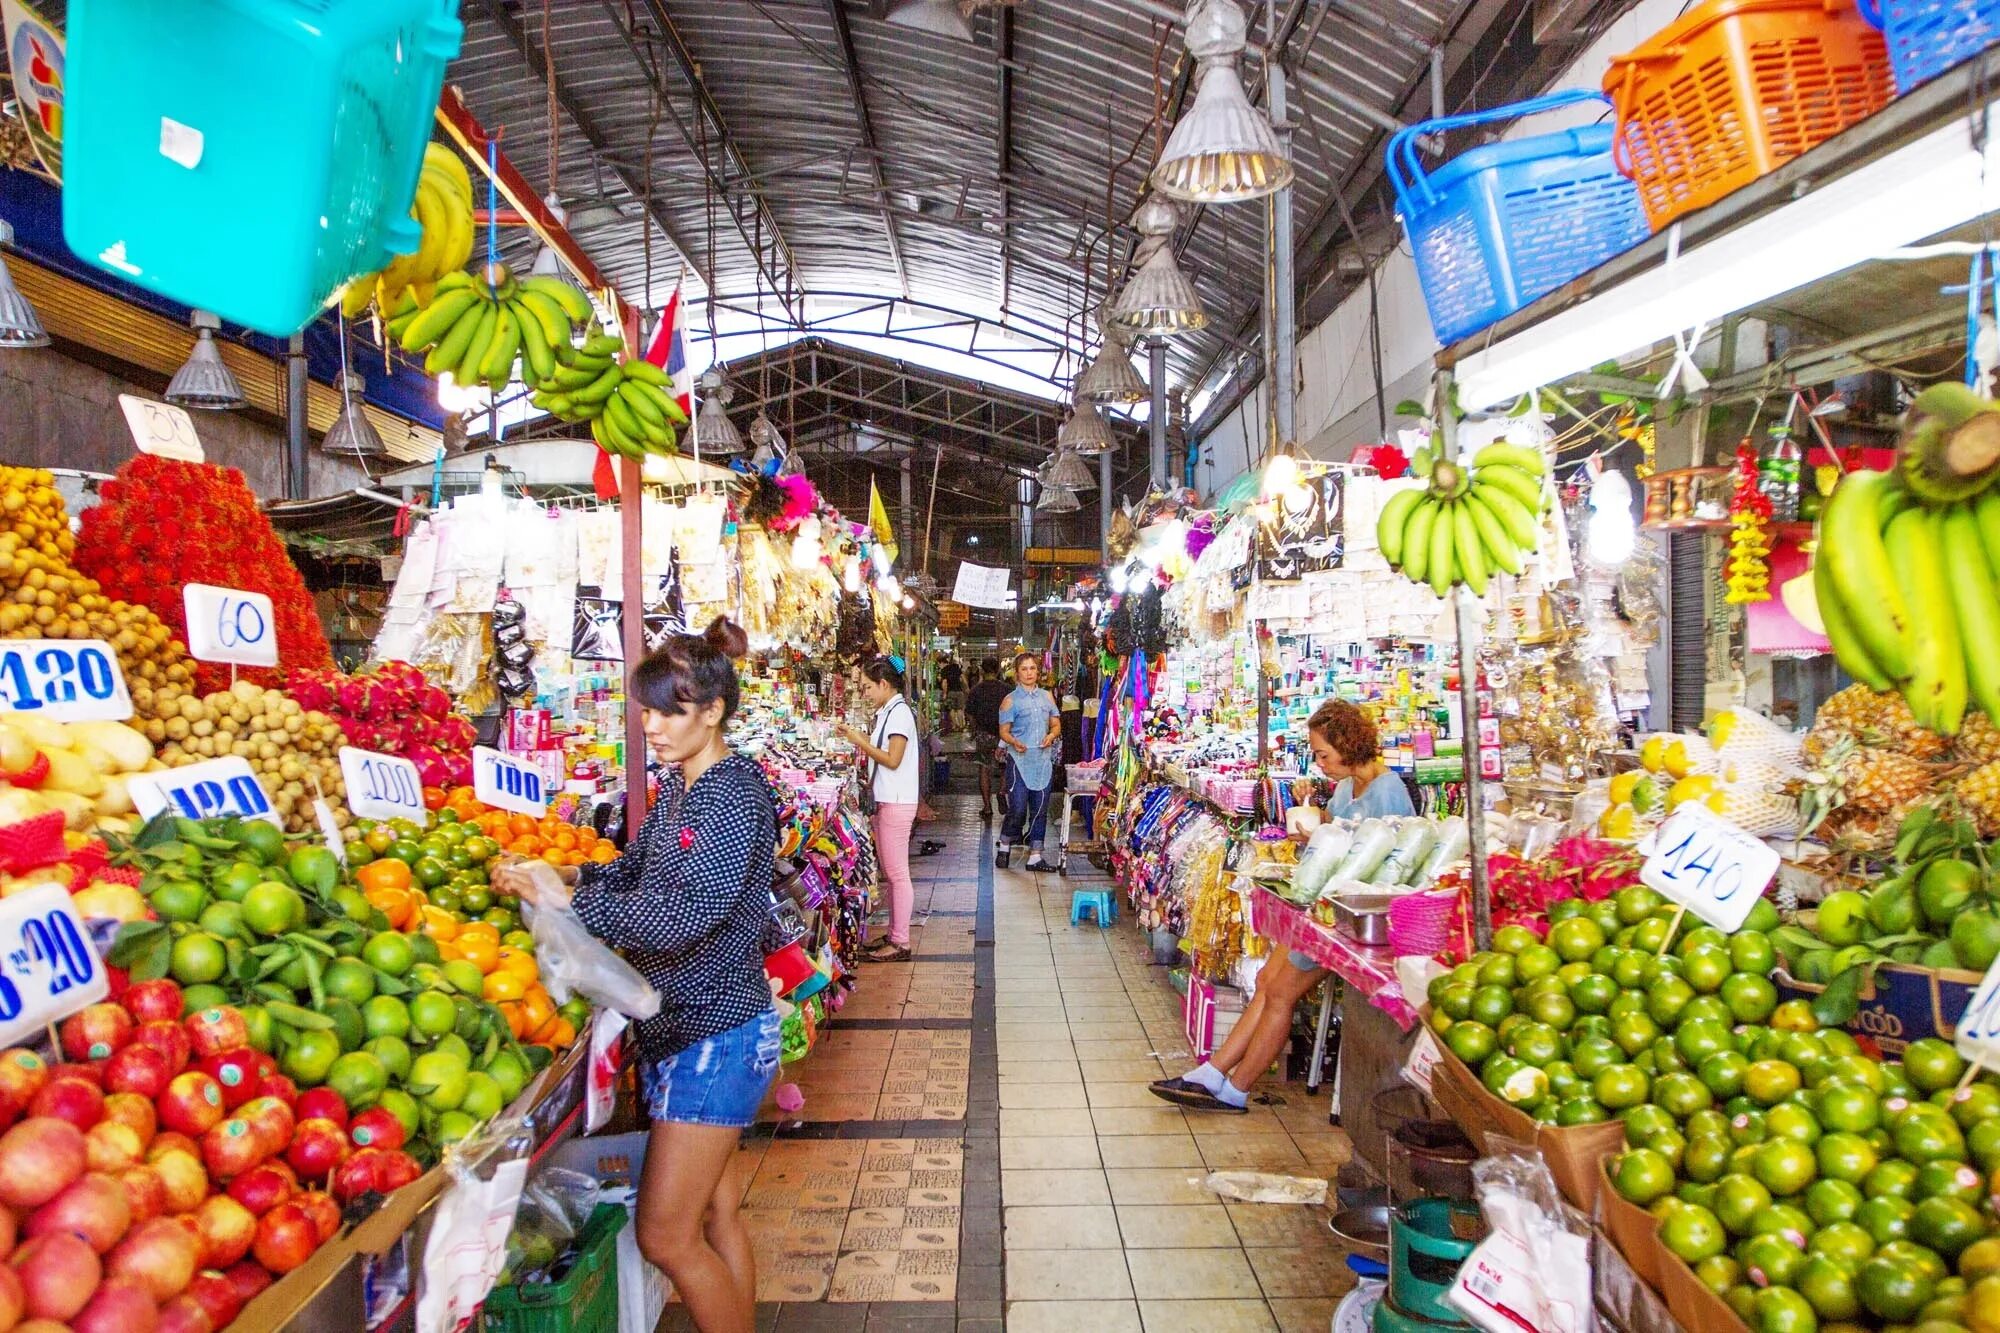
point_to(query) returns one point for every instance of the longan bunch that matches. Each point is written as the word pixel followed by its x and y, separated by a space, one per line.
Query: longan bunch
pixel 294 751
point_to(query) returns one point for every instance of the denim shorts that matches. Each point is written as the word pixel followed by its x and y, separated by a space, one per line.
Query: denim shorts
pixel 720 1081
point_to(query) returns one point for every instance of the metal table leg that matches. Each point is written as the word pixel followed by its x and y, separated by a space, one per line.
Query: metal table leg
pixel 1319 1039
pixel 1062 837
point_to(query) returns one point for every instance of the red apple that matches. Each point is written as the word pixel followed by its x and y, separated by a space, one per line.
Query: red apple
pixel 282 1088
pixel 357 1175
pixel 286 1238
pixel 160 1255
pixel 90 1072
pixel 376 1127
pixel 58 1275
pixel 138 1068
pixel 118 1307
pixel 395 1170
pixel 38 1160
pixel 217 1295
pixel 321 1104
pixel 13 1300
pixel 184 1314
pixel 262 1188
pixel 153 1001
pixel 97 1031
pixel 170 1040
pixel 172 1141
pixel 216 1030
pixel 226 1228
pixel 234 1071
pixel 249 1278
pixel 68 1097
pixel 22 1074
pixel 231 1148
pixel 129 1108
pixel 112 1146
pixel 94 1206
pixel 324 1212
pixel 192 1104
pixel 185 1181
pixel 317 1147
pixel 273 1121
pixel 145 1191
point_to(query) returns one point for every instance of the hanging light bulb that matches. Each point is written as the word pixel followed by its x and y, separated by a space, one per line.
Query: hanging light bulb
pixel 770 445
pixel 548 264
pixel 352 432
pixel 943 18
pixel 1223 150
pixel 1068 470
pixel 1085 432
pixel 850 577
pixel 1109 377
pixel 19 325
pixel 714 432
pixel 1159 301
pixel 909 602
pixel 1281 473
pixel 1611 531
pixel 204 382
pixel 458 399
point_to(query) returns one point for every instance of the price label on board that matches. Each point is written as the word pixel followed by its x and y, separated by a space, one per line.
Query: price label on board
pixel 381 786
pixel 161 429
pixel 64 680
pixel 228 625
pixel 204 791
pixel 48 967
pixel 1977 1036
pixel 1707 865
pixel 504 782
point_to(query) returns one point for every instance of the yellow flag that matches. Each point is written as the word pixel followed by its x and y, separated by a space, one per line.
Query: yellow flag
pixel 878 522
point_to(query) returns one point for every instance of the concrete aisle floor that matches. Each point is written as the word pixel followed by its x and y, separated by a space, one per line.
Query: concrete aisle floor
pixel 978 1150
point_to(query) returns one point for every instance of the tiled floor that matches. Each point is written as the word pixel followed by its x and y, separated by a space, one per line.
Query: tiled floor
pixel 978 1151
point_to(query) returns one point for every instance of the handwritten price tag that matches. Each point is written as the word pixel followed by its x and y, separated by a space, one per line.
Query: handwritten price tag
pixel 504 782
pixel 66 680
pixel 1708 865
pixel 381 786
pixel 161 429
pixel 227 625
pixel 1977 1036
pixel 204 791
pixel 48 967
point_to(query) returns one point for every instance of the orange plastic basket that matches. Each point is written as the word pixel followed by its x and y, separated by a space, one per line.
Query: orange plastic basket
pixel 1736 88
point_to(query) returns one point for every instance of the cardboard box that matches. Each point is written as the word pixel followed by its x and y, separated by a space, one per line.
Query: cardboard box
pixel 1573 1152
pixel 1636 1233
pixel 1900 1004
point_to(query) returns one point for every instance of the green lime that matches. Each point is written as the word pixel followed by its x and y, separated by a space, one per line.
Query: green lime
pixel 1944 889
pixel 1621 1086
pixel 1706 968
pixel 1593 1055
pixel 388 951
pixel 202 996
pixel 1974 1103
pixel 348 1029
pixel 1828 1287
pixel 483 1098
pixel 1692 1233
pixel 1576 939
pixel 1738 1198
pixel 1842 918
pixel 1895 1178
pixel 359 1077
pixel 1582 1110
pixel 1983 1142
pixel 272 908
pixel 1975 937
pixel 1718 1272
pixel 385 1016
pixel 1513 939
pixel 235 882
pixel 1980 1259
pixel 1771 1081
pixel 1706 1157
pixel 1892 1290
pixel 394 1053
pixel 179 900
pixel 350 980
pixel 432 1014
pixel 1552 1009
pixel 353 905
pixel 1752 953
pixel 1930 1064
pixel 1634 903
pixel 1946 1224
pixel 1885 1217
pixel 453 1126
pixel 1751 999
pixel 1949 1179
pixel 225 920
pixel 1846 1242
pixel 197 957
pixel 464 976
pixel 1785 1166
pixel 1845 1157
pixel 510 1071
pixel 309 1056
pixel 1593 994
pixel 1696 1040
pixel 1682 1094
pixel 438 1079
pixel 1642 1175
pixel 1829 1200
pixel 263 841
pixel 1471 1041
pixel 1634 1032
pixel 1784 1219
pixel 257 1020
pixel 1770 1257
pixel 1723 1073
pixel 1790 1119
pixel 1851 1110
pixel 1926 1133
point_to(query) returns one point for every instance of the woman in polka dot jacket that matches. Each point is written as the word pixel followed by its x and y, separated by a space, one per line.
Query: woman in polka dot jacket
pixel 689 901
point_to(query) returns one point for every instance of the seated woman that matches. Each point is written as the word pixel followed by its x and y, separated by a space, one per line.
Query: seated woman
pixel 1345 749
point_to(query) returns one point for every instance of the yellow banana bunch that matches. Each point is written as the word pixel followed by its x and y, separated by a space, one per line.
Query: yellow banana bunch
pixel 1467 524
pixel 443 208
pixel 629 404
pixel 475 328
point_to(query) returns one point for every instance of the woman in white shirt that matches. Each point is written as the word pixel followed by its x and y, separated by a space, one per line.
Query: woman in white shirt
pixel 891 750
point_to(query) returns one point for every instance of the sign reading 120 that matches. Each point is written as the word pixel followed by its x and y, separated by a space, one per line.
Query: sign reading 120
pixel 67 680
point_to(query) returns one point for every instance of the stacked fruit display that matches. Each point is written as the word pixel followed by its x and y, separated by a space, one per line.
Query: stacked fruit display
pixel 1906 570
pixel 393 708
pixel 1468 523
pixel 295 751
pixel 443 208
pixel 164 523
pixel 1741 767
pixel 43 595
pixel 77 768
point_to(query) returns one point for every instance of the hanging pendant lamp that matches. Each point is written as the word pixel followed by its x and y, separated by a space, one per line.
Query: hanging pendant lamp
pixel 942 18
pixel 352 433
pixel 1159 301
pixel 19 325
pixel 1085 432
pixel 1223 150
pixel 1058 500
pixel 714 432
pixel 204 382
pixel 1071 472
pixel 1109 377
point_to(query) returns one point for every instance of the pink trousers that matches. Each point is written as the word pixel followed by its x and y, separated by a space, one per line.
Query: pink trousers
pixel 892 849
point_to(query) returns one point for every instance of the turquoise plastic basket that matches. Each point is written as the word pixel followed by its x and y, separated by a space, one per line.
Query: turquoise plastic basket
pixel 249 156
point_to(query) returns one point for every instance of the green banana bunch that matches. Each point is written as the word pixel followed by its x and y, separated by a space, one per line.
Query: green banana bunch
pixel 1467 524
pixel 476 328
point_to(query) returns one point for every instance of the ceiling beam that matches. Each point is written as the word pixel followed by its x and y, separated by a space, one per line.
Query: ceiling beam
pixel 851 66
pixel 1003 42
pixel 536 60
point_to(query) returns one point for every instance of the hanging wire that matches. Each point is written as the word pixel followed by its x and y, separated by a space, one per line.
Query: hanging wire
pixel 549 68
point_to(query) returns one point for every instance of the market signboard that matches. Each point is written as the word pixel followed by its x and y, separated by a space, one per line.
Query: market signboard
pixel 1702 862
pixel 381 786
pixel 953 616
pixel 35 55
pixel 48 967
pixel 505 783
pixel 212 788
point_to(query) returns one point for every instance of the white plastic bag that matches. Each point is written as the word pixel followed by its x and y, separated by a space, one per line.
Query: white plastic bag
pixel 642 1288
pixel 571 962
pixel 468 1242
pixel 607 1049
pixel 1532 1272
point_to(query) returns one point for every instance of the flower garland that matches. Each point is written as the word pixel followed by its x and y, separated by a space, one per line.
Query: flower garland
pixel 163 524
pixel 1749 569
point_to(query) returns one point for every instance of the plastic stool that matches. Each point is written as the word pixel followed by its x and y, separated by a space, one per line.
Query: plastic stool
pixel 1097 902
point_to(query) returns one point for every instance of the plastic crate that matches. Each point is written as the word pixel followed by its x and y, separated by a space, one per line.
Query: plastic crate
pixel 1928 37
pixel 1499 225
pixel 1737 88
pixel 249 156
pixel 584 1301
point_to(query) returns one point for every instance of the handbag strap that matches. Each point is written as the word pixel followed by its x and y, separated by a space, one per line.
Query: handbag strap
pixel 882 726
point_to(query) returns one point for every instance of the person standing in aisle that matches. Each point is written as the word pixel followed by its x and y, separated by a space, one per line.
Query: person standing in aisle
pixel 1030 726
pixel 689 901
pixel 952 678
pixel 1346 749
pixel 982 709
pixel 893 777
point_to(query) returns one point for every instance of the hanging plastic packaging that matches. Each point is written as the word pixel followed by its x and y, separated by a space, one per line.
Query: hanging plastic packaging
pixel 1373 840
pixel 1328 844
pixel 1452 843
pixel 573 963
pixel 1413 843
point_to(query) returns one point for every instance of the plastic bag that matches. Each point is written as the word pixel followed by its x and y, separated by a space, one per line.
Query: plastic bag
pixel 573 963
pixel 1328 844
pixel 1532 1272
pixel 566 1196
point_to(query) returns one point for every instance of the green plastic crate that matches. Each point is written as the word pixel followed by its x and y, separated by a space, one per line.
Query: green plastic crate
pixel 584 1301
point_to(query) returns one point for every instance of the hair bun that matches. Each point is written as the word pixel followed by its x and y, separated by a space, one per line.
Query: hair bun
pixel 727 637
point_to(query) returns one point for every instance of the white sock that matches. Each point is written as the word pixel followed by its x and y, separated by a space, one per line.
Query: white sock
pixel 1230 1095
pixel 1206 1075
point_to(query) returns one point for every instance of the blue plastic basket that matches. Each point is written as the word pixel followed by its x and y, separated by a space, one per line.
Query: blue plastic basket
pixel 1928 37
pixel 1499 225
pixel 249 156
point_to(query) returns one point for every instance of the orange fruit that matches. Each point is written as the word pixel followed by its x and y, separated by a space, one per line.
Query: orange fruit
pixel 385 873
pixel 536 1008
pixel 395 904
pixel 517 1018
pixel 521 823
pixel 448 951
pixel 510 959
pixel 526 845
pixel 603 854
pixel 558 1033
pixel 566 840
pixel 439 924
pixel 553 857
pixel 480 930
pixel 481 952
pixel 504 986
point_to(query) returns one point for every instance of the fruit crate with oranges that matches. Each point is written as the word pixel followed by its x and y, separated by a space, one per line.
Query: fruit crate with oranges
pixel 1900 1003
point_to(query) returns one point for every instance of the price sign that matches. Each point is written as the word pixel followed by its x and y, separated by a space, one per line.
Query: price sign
pixel 1977 1036
pixel 48 967
pixel 204 791
pixel 381 786
pixel 504 782
pixel 65 680
pixel 161 429
pixel 227 625
pixel 1708 865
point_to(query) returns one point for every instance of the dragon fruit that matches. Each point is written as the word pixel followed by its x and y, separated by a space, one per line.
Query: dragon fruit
pixel 431 765
pixel 433 702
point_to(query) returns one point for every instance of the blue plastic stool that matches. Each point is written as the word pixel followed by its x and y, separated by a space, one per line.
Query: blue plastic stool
pixel 1097 902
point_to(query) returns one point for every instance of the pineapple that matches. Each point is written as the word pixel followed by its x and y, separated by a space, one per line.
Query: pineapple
pixel 1979 791
pixel 1873 719
pixel 1978 740
pixel 1881 780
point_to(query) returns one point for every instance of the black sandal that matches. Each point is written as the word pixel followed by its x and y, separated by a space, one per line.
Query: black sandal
pixel 929 847
pixel 885 952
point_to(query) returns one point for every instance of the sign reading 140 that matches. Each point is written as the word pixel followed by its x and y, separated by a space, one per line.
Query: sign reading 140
pixel 66 680
pixel 228 625
pixel 1708 865
pixel 506 783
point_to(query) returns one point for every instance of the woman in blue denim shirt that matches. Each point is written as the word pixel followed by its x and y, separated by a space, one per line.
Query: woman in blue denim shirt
pixel 1030 727
pixel 689 901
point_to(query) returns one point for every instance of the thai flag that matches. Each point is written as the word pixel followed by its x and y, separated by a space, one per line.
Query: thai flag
pixel 669 355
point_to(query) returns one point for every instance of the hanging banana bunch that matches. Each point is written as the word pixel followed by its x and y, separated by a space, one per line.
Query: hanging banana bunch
pixel 443 208
pixel 1469 523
